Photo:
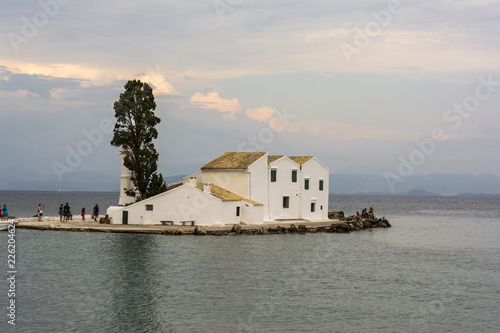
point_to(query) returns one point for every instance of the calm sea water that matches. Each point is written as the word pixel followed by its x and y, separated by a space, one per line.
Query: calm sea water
pixel 436 270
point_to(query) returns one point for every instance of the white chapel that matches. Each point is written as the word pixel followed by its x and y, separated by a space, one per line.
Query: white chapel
pixel 250 187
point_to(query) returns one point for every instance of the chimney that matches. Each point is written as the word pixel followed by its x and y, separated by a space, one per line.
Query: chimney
pixel 206 188
pixel 192 181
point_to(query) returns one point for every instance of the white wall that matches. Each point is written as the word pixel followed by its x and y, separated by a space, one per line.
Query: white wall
pixel 259 181
pixel 284 187
pixel 232 180
pixel 183 203
pixel 229 212
pixel 186 203
pixel 315 171
pixel 251 214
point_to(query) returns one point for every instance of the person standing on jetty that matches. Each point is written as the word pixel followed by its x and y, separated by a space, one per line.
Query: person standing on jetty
pixel 96 212
pixel 66 212
pixel 5 212
pixel 61 212
pixel 83 214
pixel 40 212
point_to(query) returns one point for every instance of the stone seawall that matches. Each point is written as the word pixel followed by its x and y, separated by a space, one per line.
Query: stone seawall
pixel 331 226
pixel 340 227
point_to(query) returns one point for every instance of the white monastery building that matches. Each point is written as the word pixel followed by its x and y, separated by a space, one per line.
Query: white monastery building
pixel 235 187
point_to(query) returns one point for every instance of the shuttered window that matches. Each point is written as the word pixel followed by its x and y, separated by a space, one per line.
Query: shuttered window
pixel 294 176
pixel 306 183
pixel 321 184
pixel 273 175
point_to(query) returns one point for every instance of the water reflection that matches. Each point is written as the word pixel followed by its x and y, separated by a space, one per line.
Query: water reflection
pixel 134 280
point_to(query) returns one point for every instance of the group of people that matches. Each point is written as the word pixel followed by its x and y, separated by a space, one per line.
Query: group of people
pixel 4 214
pixel 65 212
pixel 365 214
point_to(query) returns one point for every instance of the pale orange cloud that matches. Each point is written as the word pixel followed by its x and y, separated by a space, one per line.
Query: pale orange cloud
pixel 89 76
pixel 261 114
pixel 160 84
pixel 213 101
pixel 275 120
pixel 280 122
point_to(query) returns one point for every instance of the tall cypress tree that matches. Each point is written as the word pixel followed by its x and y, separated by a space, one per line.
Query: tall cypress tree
pixel 135 130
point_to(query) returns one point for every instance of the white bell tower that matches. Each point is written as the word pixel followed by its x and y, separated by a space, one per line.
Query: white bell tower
pixel 125 183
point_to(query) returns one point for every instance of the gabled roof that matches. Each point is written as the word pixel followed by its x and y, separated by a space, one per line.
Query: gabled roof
pixel 226 195
pixel 234 160
pixel 272 158
pixel 300 160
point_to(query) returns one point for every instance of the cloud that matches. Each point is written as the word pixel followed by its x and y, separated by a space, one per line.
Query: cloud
pixel 69 71
pixel 212 101
pixel 85 76
pixel 261 114
pixel 38 85
pixel 157 79
pixel 275 120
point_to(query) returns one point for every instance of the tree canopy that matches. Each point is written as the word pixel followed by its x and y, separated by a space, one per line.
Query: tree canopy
pixel 134 131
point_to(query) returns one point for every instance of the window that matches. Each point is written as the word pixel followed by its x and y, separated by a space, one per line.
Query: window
pixel 313 206
pixel 306 184
pixel 149 207
pixel 273 175
pixel 294 176
pixel 321 184
pixel 238 211
pixel 286 202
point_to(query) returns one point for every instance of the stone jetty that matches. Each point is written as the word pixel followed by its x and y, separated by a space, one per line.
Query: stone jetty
pixel 338 223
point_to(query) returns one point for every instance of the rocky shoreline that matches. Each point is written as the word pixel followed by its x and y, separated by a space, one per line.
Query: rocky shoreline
pixel 342 227
pixel 338 224
pixel 345 225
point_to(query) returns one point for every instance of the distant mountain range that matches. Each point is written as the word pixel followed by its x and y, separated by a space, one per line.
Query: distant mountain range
pixel 342 183
pixel 433 184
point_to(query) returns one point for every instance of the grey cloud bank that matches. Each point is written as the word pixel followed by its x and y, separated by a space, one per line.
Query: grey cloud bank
pixel 359 115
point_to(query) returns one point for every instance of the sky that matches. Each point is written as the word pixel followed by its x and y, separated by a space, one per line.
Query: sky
pixel 391 88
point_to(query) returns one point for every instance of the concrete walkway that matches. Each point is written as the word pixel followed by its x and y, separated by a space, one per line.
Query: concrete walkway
pixel 53 223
